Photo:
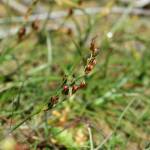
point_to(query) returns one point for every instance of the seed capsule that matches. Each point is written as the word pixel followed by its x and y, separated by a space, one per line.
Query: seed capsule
pixel 21 32
pixel 74 88
pixel 65 90
pixel 93 62
pixel 95 52
pixel 82 85
pixel 69 32
pixel 54 99
pixel 88 68
pixel 35 25
pixel 93 45
pixel 70 12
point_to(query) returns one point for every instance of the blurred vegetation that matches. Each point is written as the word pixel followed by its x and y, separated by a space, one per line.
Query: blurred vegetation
pixel 112 112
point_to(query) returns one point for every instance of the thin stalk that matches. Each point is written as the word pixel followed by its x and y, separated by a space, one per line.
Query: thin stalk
pixel 90 138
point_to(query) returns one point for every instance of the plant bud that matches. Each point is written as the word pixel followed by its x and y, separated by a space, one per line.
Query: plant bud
pixel 88 68
pixel 35 25
pixel 93 62
pixel 74 88
pixel 93 45
pixel 21 32
pixel 54 99
pixel 70 12
pixel 65 90
pixel 95 52
pixel 82 85
pixel 69 32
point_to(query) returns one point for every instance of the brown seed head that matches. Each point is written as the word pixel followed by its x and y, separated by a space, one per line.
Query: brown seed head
pixel 93 44
pixel 82 85
pixel 70 12
pixel 95 52
pixel 93 62
pixel 69 32
pixel 54 100
pixel 74 88
pixel 35 25
pixel 88 68
pixel 65 90
pixel 21 32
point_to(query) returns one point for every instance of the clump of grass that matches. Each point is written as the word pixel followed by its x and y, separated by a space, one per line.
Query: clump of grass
pixel 71 84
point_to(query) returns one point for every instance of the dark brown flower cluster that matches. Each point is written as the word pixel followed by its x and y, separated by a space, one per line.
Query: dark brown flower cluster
pixel 53 101
pixel 22 31
pixel 65 91
pixel 74 88
pixel 70 88
pixel 91 62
